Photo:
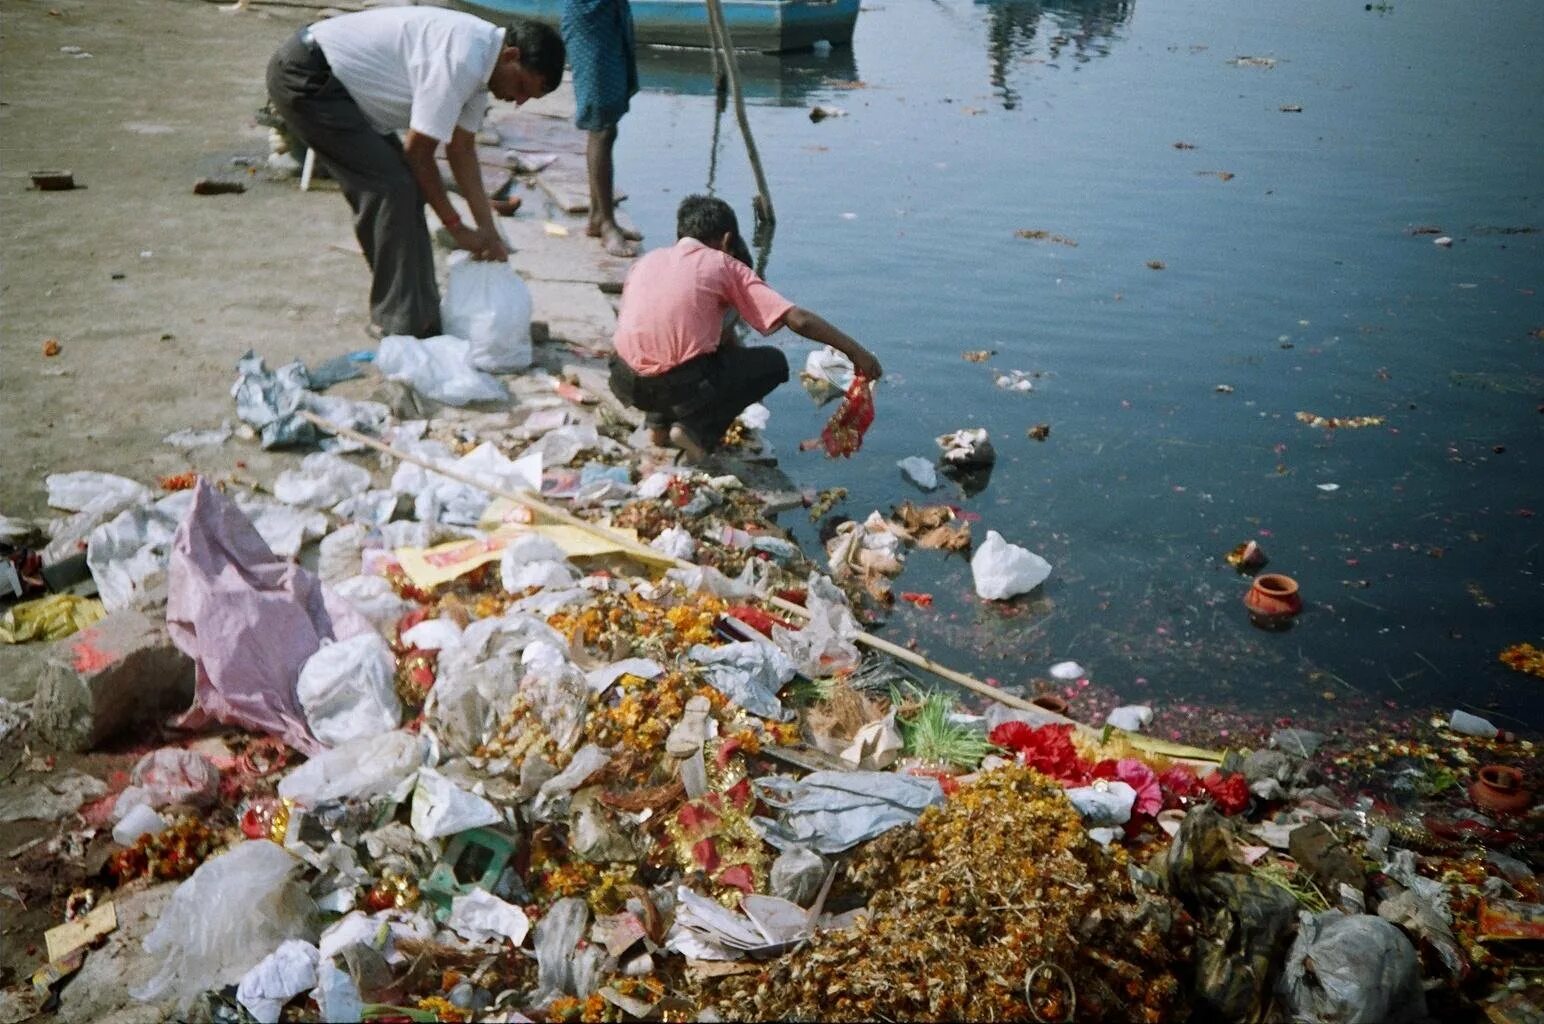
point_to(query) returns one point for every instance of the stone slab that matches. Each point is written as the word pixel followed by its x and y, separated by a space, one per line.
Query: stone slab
pixel 120 673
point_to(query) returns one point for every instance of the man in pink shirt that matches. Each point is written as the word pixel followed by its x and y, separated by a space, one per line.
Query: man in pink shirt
pixel 677 359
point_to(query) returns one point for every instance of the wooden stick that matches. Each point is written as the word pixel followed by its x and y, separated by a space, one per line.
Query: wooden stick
pixel 1147 744
pixel 763 202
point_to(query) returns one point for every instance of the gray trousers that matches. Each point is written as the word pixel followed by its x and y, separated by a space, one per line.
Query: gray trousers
pixel 388 205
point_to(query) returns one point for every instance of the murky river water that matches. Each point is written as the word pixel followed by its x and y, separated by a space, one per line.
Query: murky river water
pixel 1297 270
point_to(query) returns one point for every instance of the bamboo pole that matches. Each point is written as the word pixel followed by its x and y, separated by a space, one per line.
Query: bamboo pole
pixel 763 202
pixel 530 501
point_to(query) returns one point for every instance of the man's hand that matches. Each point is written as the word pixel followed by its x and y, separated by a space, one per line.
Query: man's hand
pixel 865 363
pixel 483 245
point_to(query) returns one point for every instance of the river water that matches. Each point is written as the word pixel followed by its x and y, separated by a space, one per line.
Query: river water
pixel 1295 229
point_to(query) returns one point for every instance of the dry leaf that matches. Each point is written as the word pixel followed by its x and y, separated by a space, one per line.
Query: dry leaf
pixel 979 355
pixel 1155 264
pixel 1039 432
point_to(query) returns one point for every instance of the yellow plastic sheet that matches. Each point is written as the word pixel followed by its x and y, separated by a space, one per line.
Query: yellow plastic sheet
pixel 431 567
pixel 49 618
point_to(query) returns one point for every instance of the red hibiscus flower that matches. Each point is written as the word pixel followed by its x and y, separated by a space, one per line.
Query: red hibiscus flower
pixel 1045 748
pixel 1229 792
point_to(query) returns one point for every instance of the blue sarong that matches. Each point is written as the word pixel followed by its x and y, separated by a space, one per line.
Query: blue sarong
pixel 598 35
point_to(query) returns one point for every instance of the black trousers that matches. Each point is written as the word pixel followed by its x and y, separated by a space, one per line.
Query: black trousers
pixel 705 395
pixel 388 205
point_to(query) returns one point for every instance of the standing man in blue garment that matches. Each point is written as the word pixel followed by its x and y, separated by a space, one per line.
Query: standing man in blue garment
pixel 598 35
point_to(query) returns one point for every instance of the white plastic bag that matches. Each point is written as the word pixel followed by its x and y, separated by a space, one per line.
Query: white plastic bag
pixel 346 690
pixel 321 481
pixel 919 471
pixel 1002 570
pixel 482 916
pixel 1352 969
pixel 278 977
pixel 438 368
pixel 169 776
pixel 234 910
pixel 487 304
pixel 358 770
pixel 441 808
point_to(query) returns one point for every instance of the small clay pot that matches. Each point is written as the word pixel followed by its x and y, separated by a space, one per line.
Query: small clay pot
pixel 1272 600
pixel 1500 788
pixel 1051 702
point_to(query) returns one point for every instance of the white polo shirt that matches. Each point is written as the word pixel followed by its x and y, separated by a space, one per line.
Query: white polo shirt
pixel 423 68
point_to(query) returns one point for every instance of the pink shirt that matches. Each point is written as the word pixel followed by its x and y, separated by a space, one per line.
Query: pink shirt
pixel 673 304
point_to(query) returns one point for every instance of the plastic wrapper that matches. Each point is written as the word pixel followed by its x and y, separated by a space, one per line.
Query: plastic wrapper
pixel 482 917
pixel 169 776
pixel 829 812
pixel 920 472
pixel 827 373
pixel 749 673
pixel 1130 717
pixel 438 368
pixel 373 598
pixel 361 770
pixel 1355 969
pixel 556 691
pixel 490 306
pixel 562 969
pixel 277 978
pixel 1106 804
pixel 438 499
pixel 271 401
pixel 441 808
pixel 49 618
pixel 827 643
pixel 321 481
pixel 140 820
pixel 337 996
pixel 128 554
pixel 1002 570
pixel 478 678
pixel 234 910
pixel 347 691
pixel 676 542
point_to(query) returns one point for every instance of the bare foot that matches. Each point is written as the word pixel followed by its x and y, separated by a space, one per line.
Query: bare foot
pixel 693 451
pixel 596 227
pixel 616 243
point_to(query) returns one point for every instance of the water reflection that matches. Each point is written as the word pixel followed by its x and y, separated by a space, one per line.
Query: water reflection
pixel 1077 30
pixel 769 79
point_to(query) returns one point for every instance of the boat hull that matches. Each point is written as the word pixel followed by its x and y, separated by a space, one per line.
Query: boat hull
pixel 768 26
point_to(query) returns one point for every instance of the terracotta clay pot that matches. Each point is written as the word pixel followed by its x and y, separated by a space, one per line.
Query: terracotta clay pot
pixel 1500 788
pixel 1273 600
pixel 1051 702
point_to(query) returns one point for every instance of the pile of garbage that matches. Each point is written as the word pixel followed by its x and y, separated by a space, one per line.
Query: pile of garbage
pixel 548 727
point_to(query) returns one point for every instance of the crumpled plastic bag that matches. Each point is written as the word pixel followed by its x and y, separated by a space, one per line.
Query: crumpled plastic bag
pixel 439 499
pixel 920 472
pixel 140 820
pixel 441 808
pixel 321 481
pixel 233 911
pixel 826 645
pixel 490 306
pixel 53 617
pixel 92 498
pixel 561 446
pixel 482 917
pixel 827 373
pixel 346 690
pixel 361 770
pixel 438 368
pixel 675 541
pixel 829 812
pixel 556 691
pixel 1002 570
pixel 1130 717
pixel 1351 969
pixel 587 760
pixel 875 746
pixel 373 598
pixel 248 620
pixel 337 996
pixel 128 554
pixel 277 978
pixel 749 673
pixel 560 969
pixel 169 776
pixel 477 679
pixel 271 401
pixel 1103 805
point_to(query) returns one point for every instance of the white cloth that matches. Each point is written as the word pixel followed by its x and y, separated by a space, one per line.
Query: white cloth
pixel 422 68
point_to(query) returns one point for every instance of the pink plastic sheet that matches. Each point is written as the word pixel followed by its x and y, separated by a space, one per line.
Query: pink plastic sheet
pixel 248 619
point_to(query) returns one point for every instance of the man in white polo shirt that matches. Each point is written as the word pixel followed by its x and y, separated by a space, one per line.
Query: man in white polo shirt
pixel 347 85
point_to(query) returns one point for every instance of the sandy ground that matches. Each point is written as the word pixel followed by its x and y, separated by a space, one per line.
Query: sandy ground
pixel 151 291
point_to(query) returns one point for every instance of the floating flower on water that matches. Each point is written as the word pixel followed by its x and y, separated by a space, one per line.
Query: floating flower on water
pixel 1524 658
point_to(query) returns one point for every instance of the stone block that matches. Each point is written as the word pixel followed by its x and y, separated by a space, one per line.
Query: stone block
pixel 122 672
